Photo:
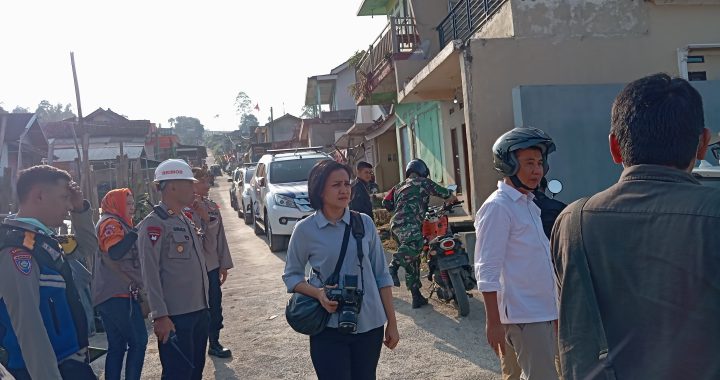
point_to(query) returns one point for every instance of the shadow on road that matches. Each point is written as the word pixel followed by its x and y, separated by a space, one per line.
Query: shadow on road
pixel 223 369
pixel 463 337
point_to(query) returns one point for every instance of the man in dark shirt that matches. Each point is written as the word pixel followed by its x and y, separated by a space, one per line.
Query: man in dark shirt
pixel 639 263
pixel 360 199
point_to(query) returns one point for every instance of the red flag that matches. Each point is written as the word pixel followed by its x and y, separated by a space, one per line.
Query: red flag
pixel 257 106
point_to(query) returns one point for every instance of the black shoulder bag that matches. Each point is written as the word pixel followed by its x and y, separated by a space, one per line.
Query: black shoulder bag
pixel 305 314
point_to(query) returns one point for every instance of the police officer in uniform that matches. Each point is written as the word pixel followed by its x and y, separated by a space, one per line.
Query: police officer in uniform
pixel 43 327
pixel 206 214
pixel 175 275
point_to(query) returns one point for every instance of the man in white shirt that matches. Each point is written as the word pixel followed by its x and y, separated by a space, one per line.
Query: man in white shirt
pixel 513 265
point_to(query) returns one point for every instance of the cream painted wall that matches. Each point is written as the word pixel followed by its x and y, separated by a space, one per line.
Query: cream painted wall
pixel 499 65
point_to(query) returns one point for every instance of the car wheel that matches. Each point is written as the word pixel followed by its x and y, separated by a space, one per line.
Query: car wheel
pixel 276 242
pixel 248 215
pixel 256 226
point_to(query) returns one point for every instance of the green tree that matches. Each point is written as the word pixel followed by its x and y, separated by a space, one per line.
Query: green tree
pixel 243 103
pixel 248 120
pixel 189 130
pixel 308 112
pixel 19 109
pixel 47 112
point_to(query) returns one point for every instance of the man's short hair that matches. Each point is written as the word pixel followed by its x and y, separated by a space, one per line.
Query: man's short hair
pixel 38 175
pixel 363 165
pixel 658 120
pixel 200 173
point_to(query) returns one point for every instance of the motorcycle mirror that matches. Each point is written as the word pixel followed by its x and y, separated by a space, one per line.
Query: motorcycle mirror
pixel 452 188
pixel 555 186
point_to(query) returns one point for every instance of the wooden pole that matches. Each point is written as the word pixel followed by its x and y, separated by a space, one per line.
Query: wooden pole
pixel 3 127
pixel 85 177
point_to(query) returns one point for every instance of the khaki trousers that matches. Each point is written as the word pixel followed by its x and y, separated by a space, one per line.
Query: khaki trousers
pixel 510 368
pixel 536 348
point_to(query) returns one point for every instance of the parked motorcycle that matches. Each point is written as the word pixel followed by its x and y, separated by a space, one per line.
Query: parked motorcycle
pixel 451 274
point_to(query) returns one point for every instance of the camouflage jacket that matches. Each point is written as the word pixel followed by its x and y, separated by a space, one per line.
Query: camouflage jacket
pixel 409 201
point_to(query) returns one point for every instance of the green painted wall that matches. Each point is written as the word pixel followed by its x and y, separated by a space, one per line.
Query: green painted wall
pixel 423 120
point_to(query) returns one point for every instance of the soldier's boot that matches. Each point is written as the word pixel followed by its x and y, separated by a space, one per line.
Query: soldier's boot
pixel 417 298
pixel 394 266
pixel 216 349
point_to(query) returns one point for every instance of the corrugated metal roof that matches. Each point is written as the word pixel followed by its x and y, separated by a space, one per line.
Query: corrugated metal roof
pixel 99 153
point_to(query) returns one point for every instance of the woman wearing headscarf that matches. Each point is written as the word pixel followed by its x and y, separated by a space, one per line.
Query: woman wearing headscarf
pixel 117 283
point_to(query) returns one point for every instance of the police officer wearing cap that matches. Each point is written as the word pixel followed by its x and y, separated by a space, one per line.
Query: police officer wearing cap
pixel 175 276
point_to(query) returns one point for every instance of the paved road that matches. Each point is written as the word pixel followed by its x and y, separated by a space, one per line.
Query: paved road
pixel 434 343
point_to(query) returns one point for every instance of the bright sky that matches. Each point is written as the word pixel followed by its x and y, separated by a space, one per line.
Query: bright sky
pixel 160 59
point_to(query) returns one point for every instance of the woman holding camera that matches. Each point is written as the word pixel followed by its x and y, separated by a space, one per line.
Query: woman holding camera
pixel 337 353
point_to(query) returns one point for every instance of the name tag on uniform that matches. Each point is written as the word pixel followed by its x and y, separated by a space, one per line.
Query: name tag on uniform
pixel 179 229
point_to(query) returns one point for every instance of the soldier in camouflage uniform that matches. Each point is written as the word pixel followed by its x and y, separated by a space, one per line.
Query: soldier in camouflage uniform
pixel 409 201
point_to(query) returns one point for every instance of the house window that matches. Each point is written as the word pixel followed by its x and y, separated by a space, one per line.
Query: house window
pixel 697 76
pixel 696 59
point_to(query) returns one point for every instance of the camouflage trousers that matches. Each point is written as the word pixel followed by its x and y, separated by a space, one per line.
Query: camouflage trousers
pixel 408 257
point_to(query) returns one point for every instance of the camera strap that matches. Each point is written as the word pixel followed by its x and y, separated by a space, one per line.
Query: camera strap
pixel 358 230
pixel 333 279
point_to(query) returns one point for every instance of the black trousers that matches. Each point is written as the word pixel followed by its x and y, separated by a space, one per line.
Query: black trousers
pixel 345 356
pixel 178 360
pixel 215 301
pixel 69 370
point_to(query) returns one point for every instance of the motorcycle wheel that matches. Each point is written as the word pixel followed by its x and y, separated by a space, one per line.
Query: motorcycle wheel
pixel 460 295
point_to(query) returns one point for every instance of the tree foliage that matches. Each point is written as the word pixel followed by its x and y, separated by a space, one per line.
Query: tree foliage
pixel 19 109
pixel 243 103
pixel 189 130
pixel 47 112
pixel 308 112
pixel 247 121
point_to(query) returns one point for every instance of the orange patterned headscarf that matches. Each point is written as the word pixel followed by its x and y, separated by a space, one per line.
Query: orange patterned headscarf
pixel 115 202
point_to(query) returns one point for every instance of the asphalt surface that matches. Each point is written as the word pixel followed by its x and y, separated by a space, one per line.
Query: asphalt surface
pixel 434 342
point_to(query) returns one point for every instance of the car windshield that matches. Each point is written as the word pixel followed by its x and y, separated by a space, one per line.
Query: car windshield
pixel 292 170
pixel 248 175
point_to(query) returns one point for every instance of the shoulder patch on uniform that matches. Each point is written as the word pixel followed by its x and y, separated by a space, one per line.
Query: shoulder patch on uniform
pixel 154 234
pixel 109 229
pixel 22 260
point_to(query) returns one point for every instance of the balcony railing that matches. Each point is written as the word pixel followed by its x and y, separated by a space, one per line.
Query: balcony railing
pixel 466 18
pixel 398 38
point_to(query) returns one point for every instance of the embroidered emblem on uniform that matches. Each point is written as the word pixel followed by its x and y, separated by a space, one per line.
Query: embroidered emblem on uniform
pixel 23 262
pixel 180 248
pixel 109 230
pixel 154 234
pixel 52 251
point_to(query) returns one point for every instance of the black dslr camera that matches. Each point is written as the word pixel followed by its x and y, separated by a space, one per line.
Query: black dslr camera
pixel 349 299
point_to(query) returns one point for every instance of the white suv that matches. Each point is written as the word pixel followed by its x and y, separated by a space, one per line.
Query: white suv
pixel 280 194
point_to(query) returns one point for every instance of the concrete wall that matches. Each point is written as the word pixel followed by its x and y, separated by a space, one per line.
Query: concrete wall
pixel 282 130
pixel 428 15
pixel 499 65
pixel 324 134
pixel 577 117
pixel 386 161
pixel 343 99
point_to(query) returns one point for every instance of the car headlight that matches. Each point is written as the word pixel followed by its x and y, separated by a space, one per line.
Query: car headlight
pixel 284 201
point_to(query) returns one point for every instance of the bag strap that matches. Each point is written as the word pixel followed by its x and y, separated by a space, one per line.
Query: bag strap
pixel 577 245
pixel 333 279
pixel 358 230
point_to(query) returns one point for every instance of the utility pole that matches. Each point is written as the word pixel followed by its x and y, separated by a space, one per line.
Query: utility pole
pixel 272 128
pixel 85 176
